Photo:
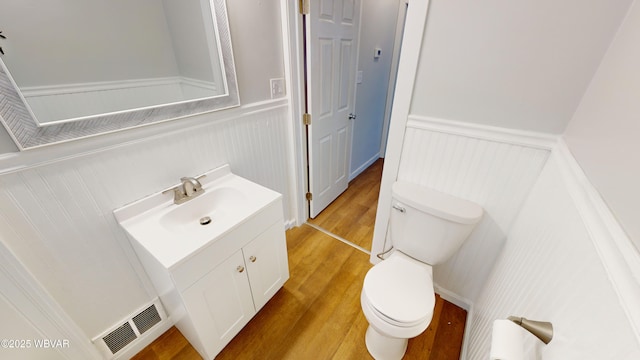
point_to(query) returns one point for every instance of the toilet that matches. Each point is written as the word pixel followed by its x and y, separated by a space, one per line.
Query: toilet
pixel 426 228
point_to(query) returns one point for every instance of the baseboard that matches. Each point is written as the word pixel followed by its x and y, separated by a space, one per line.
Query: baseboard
pixel 461 302
pixel 453 298
pixel 465 337
pixel 290 224
pixel 364 166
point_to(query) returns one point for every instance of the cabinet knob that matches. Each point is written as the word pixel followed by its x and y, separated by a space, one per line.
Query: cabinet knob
pixel 252 258
pixel 240 268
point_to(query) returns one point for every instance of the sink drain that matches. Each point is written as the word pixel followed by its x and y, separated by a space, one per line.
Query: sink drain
pixel 205 220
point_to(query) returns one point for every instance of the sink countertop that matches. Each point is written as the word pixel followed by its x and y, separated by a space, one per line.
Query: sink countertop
pixel 172 244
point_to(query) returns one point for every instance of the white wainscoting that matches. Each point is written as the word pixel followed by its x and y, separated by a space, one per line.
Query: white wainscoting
pixel 557 266
pixel 56 214
pixel 493 167
pixel 60 102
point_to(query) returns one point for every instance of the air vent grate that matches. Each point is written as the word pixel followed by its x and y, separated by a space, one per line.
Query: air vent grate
pixel 146 319
pixel 119 338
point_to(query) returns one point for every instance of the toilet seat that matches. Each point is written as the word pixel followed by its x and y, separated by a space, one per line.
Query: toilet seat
pixel 400 290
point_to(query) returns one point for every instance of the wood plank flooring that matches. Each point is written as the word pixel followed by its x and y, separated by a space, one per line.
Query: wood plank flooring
pixel 317 315
pixel 353 214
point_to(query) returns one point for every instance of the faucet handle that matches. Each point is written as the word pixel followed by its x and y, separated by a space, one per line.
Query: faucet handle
pixel 189 188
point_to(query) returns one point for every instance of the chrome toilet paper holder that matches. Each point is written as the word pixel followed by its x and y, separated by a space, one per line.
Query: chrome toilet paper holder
pixel 543 330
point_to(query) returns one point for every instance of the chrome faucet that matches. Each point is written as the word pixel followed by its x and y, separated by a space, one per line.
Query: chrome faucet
pixel 188 189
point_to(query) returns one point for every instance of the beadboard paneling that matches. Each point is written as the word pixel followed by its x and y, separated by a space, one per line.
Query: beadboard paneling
pixel 550 270
pixel 494 169
pixel 57 216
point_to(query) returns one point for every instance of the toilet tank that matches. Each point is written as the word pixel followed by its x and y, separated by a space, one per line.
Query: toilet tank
pixel 429 225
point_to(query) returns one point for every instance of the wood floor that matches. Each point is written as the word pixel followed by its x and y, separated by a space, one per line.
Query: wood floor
pixel 317 315
pixel 353 214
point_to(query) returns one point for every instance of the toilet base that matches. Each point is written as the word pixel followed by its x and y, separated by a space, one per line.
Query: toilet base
pixel 383 347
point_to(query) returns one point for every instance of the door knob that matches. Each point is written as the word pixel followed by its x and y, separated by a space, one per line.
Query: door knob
pixel 240 268
pixel 253 258
pixel 352 116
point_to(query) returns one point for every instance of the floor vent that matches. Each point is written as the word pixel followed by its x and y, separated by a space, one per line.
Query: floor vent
pixel 146 319
pixel 117 339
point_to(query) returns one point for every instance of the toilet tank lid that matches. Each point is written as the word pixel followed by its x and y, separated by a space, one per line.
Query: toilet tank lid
pixel 437 203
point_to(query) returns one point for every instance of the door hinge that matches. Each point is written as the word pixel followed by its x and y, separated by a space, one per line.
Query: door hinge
pixel 309 196
pixel 306 119
pixel 304 7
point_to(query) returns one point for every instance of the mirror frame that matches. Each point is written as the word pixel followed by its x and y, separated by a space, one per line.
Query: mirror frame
pixel 22 126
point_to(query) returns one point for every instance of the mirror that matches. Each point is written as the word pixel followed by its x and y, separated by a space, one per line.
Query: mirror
pixel 72 69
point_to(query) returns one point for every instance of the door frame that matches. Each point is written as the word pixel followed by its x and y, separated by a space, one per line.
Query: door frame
pixel 403 5
pixel 294 66
pixel 292 38
pixel 407 69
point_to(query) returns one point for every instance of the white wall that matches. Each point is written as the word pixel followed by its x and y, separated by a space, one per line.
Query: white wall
pixel 377 29
pixel 58 217
pixel 494 169
pixel 109 40
pixel 56 205
pixel 513 64
pixel 565 258
pixel 550 270
pixel 16 327
pixel 603 134
pixel 472 61
pixel 257 46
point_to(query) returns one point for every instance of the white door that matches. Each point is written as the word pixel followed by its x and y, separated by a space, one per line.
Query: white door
pixel 332 36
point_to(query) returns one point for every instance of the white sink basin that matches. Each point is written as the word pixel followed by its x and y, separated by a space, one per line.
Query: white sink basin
pixel 172 233
pixel 214 204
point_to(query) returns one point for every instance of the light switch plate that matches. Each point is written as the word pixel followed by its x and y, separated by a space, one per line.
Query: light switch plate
pixel 277 88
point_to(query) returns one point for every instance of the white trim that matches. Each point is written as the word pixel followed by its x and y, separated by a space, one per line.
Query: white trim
pixel 619 256
pixel 455 299
pixel 294 65
pixel 33 158
pixel 28 296
pixel 465 337
pixel 393 73
pixel 290 224
pixel 364 166
pixel 461 302
pixel 407 70
pixel 354 93
pixel 486 132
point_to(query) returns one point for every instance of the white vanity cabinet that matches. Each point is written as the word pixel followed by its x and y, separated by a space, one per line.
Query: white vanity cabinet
pixel 225 299
pixel 211 276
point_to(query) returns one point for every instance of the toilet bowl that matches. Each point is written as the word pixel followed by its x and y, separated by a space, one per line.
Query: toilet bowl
pixel 426 228
pixel 398 300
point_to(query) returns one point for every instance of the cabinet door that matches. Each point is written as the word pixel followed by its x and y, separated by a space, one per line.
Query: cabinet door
pixel 266 259
pixel 220 303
